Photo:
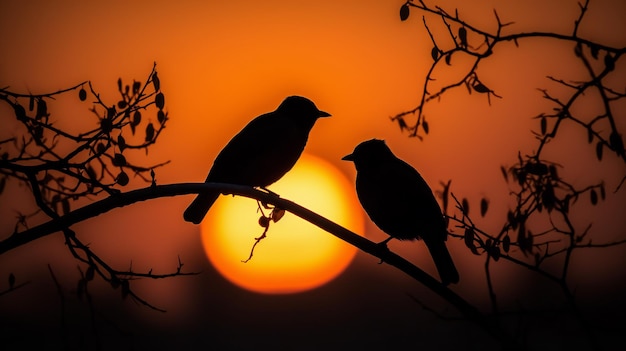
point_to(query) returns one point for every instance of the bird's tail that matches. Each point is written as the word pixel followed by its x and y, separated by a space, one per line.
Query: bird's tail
pixel 199 207
pixel 443 261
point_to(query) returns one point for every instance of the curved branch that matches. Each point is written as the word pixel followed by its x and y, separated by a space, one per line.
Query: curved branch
pixel 365 245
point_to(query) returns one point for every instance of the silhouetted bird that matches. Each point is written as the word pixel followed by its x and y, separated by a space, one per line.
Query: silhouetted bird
pixel 262 152
pixel 399 201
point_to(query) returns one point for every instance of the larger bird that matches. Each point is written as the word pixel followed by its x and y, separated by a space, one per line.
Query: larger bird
pixel 400 202
pixel 261 153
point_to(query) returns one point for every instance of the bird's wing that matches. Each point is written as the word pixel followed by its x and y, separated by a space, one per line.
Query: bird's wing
pixel 425 211
pixel 382 197
pixel 251 156
pixel 399 201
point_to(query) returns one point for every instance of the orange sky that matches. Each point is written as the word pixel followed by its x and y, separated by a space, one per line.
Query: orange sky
pixel 223 62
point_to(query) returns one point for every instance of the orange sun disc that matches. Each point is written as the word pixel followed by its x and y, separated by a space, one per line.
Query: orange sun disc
pixel 296 255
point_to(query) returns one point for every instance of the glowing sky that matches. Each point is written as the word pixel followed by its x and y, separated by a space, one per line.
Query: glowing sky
pixel 222 63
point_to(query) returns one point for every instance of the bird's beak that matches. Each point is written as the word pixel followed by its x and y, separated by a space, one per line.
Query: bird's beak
pixel 323 114
pixel 348 158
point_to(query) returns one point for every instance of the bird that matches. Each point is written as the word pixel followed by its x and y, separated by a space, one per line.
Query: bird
pixel 261 153
pixel 399 201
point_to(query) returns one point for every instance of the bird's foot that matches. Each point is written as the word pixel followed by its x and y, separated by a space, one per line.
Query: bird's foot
pixel 269 191
pixel 264 204
pixel 382 249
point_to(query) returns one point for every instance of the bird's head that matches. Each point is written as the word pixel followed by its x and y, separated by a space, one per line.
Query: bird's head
pixel 369 153
pixel 301 108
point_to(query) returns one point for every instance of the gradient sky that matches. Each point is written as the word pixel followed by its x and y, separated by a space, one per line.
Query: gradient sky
pixel 222 63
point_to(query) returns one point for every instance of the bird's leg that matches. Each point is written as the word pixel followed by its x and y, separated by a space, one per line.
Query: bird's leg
pixel 382 247
pixel 383 244
pixel 277 213
pixel 260 205
pixel 269 192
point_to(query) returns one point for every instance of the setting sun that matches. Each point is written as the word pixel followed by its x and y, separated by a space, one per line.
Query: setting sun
pixel 113 114
pixel 296 255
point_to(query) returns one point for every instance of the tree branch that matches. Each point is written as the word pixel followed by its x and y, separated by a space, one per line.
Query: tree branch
pixel 365 245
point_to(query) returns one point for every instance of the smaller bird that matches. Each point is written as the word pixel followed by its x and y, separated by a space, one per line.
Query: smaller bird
pixel 261 153
pixel 400 202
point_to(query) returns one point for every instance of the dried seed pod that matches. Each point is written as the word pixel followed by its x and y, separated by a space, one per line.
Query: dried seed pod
pixel 463 36
pixel 480 88
pixel 434 53
pixel 506 243
pixel 161 116
pixel 593 197
pixel 264 221
pixel 149 132
pixel 465 205
pixel 122 178
pixel 119 160
pixel 82 94
pixel 156 82
pixel 121 142
pixel 159 100
pixel 404 12
pixel 484 206
pixel 277 214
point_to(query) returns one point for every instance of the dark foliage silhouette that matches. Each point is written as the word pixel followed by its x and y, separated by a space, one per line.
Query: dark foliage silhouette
pixel 262 152
pixel 62 167
pixel 400 202
pixel 540 233
pixel 96 166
